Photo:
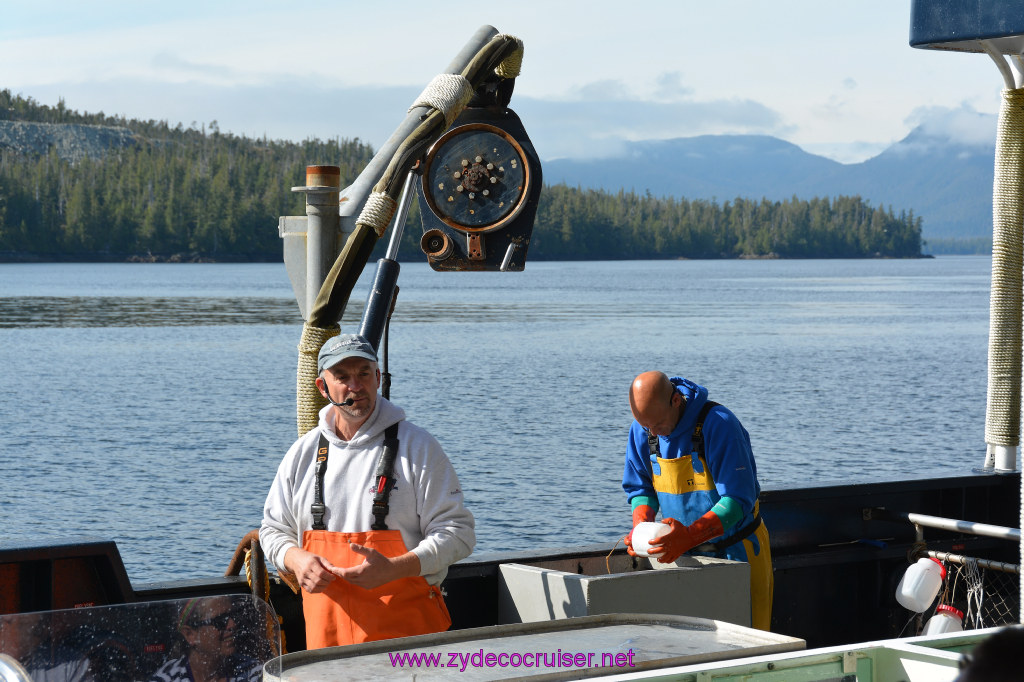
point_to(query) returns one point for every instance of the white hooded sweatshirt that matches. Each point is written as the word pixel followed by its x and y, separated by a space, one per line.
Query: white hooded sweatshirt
pixel 426 503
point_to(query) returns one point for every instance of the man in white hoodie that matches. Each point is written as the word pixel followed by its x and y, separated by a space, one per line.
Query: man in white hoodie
pixel 369 540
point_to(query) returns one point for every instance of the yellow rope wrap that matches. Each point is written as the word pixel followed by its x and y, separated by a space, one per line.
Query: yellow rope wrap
pixel 377 212
pixel 265 594
pixel 449 93
pixel 1002 419
pixel 310 402
pixel 511 65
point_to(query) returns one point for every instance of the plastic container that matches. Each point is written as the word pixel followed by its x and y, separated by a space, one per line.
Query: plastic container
pixel 946 619
pixel 920 584
pixel 646 531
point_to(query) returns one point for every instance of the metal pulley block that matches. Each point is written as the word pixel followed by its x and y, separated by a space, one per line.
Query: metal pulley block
pixel 478 197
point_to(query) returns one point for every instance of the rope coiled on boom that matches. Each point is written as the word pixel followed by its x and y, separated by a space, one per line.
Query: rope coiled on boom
pixel 511 65
pixel 377 212
pixel 449 93
pixel 310 402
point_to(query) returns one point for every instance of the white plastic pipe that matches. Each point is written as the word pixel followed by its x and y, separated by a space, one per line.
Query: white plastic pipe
pixel 1004 457
pixel 958 525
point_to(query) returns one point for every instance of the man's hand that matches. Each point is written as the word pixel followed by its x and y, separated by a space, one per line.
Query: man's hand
pixel 378 569
pixel 641 513
pixel 312 571
pixel 680 539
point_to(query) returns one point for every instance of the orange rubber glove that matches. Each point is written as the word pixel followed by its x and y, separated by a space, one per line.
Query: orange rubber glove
pixel 680 539
pixel 640 514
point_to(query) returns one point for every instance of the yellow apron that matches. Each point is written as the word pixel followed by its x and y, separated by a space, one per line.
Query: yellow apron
pixel 677 477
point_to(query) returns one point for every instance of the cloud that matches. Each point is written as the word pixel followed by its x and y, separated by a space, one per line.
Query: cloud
pixel 173 67
pixel 846 152
pixel 670 87
pixel 596 129
pixel 599 91
pixel 834 108
pixel 294 109
pixel 297 109
pixel 963 125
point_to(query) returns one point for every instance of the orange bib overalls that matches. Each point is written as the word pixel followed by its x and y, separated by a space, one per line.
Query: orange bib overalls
pixel 347 614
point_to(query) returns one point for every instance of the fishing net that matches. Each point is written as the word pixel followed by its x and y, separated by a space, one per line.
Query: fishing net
pixel 987 592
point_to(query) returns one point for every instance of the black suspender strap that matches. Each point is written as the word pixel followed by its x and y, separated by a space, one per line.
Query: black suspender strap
pixel 652 445
pixel 317 509
pixel 385 478
pixel 654 448
pixel 698 428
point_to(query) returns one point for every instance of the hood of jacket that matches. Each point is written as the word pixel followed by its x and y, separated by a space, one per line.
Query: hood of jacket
pixel 385 413
pixel 696 395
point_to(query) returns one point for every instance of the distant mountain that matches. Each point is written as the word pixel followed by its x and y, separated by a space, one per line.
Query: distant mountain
pixel 948 184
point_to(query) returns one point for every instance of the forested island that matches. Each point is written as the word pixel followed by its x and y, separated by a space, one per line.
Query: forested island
pixel 116 189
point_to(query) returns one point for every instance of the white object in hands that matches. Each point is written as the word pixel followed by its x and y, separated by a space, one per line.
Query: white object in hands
pixel 646 531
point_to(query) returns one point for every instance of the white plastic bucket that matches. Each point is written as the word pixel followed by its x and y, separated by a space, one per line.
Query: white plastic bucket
pixel 646 531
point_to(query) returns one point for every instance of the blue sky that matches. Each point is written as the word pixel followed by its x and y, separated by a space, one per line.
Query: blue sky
pixel 836 78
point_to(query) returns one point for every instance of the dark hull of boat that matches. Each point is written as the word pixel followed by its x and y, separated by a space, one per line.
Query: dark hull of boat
pixel 837 561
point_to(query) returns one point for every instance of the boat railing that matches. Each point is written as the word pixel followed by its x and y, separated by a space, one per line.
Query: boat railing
pixel 986 564
pixel 985 590
pixel 922 521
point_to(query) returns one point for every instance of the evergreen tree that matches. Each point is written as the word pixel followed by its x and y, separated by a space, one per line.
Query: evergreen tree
pixel 197 192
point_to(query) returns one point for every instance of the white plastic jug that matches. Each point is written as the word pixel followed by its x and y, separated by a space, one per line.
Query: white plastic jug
pixel 920 584
pixel 646 531
pixel 946 619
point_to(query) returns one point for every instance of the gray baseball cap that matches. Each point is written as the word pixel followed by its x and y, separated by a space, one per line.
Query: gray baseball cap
pixel 344 346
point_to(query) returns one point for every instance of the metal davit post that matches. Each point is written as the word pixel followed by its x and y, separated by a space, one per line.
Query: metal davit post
pixel 311 260
pixel 483 71
pixel 996 28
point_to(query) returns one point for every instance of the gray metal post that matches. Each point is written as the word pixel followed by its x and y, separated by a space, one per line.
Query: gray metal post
pixel 323 184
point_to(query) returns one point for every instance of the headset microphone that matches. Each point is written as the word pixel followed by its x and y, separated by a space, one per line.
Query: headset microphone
pixel 343 403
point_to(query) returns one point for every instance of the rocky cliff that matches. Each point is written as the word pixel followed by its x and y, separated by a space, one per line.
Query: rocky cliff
pixel 72 141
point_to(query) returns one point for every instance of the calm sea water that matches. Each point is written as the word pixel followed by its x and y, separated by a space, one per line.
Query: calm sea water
pixel 151 404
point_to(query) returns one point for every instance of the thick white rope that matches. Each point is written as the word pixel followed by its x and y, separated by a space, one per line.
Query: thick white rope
pixel 377 212
pixel 1003 411
pixel 309 399
pixel 449 93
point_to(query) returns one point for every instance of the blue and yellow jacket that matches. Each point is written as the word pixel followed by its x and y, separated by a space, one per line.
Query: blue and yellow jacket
pixel 686 487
